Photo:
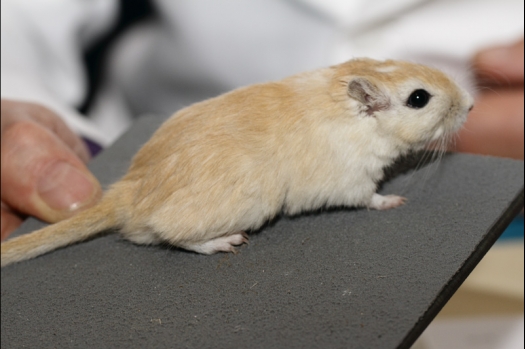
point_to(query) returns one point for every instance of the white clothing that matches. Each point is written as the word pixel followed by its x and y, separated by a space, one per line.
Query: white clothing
pixel 200 48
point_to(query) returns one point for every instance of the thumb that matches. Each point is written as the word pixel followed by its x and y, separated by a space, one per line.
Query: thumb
pixel 41 176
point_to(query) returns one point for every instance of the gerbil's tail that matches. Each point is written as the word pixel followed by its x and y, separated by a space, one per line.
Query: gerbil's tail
pixel 77 228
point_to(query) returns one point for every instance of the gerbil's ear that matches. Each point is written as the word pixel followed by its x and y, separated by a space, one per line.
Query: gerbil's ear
pixel 369 94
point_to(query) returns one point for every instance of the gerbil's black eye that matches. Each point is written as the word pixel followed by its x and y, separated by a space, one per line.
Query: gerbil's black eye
pixel 418 99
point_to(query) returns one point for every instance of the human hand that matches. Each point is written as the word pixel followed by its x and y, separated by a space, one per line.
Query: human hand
pixel 496 124
pixel 501 66
pixel 42 167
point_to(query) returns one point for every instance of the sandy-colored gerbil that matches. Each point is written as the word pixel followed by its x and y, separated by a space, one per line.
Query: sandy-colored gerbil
pixel 226 165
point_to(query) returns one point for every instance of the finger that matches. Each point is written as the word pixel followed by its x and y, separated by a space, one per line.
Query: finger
pixel 501 64
pixel 41 176
pixel 59 127
pixel 9 222
pixel 15 111
pixel 495 126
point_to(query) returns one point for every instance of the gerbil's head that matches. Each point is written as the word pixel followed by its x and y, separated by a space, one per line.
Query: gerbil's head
pixel 411 102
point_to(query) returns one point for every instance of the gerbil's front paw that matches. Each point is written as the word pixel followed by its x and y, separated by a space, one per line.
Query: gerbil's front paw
pixel 380 202
pixel 221 244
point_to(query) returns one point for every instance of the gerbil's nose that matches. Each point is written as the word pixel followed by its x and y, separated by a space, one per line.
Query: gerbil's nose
pixel 471 107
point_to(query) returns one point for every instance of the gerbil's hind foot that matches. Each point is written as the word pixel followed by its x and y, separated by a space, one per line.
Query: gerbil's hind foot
pixel 380 202
pixel 220 244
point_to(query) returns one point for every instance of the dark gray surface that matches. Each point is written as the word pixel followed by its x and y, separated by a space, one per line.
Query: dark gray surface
pixel 338 279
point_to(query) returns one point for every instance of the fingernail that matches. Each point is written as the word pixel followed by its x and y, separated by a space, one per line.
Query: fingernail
pixel 65 188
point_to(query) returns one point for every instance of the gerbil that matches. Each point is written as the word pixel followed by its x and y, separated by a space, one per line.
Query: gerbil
pixel 228 164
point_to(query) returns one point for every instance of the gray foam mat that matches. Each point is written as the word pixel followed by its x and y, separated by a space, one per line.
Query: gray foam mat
pixel 342 278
